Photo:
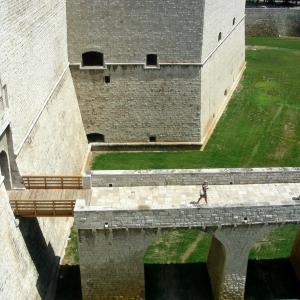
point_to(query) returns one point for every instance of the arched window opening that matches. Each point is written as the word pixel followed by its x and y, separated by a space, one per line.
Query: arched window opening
pixel 152 60
pixel 95 138
pixel 4 168
pixel 92 58
pixel 220 36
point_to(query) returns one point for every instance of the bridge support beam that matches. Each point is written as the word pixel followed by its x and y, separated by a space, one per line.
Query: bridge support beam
pixel 228 259
pixel 295 255
pixel 111 263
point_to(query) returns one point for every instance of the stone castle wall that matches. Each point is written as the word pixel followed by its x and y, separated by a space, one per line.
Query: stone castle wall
pixel 139 103
pixel 45 136
pixel 194 177
pixel 173 102
pixel 127 30
pixel 273 21
pixel 220 76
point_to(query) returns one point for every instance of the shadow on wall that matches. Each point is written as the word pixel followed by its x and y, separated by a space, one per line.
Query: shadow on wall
pixel 42 254
pixel 177 282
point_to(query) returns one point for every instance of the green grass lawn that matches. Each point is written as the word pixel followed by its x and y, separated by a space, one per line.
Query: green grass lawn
pixel 292 43
pixel 261 126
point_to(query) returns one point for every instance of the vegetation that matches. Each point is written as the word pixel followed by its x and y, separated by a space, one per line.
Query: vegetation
pixel 72 255
pixel 180 246
pixel 291 43
pixel 261 126
pixel 277 245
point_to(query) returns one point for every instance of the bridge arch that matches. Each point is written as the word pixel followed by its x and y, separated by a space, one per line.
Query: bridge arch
pixel 274 264
pixel 5 169
pixel 176 261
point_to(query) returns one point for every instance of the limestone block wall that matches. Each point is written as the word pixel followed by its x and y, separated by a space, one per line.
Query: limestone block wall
pixel 127 30
pixel 272 21
pixel 218 17
pixel 33 49
pixel 221 72
pixel 90 217
pixel 194 177
pixel 228 259
pixel 139 103
pixel 57 144
pixel 27 263
pixel 111 262
pixel 46 137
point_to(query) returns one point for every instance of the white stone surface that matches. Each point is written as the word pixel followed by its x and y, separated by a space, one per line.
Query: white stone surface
pixel 176 197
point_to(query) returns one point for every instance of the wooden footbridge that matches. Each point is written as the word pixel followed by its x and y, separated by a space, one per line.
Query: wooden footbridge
pixel 48 196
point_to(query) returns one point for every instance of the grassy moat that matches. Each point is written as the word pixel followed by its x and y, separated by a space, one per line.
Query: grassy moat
pixel 261 127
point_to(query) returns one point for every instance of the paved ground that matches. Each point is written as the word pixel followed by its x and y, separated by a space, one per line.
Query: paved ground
pixel 171 197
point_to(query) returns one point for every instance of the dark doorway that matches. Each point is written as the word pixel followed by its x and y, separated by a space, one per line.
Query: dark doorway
pixel 4 166
pixel 92 58
pixel 95 138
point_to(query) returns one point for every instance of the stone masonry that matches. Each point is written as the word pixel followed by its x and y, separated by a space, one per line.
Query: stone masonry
pixel 41 133
pixel 273 21
pixel 198 44
pixel 118 224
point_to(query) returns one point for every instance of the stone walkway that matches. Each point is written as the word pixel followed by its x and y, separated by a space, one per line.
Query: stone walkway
pixel 174 197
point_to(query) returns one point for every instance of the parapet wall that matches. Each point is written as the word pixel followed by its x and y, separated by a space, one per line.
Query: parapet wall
pixel 272 22
pixel 194 177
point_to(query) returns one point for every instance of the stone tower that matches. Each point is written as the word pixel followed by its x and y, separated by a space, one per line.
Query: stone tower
pixel 155 71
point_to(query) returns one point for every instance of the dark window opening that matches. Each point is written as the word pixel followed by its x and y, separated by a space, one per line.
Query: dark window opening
pixel 225 93
pixel 220 36
pixel 233 21
pixel 95 138
pixel 107 79
pixel 152 139
pixel 4 170
pixel 152 60
pixel 92 58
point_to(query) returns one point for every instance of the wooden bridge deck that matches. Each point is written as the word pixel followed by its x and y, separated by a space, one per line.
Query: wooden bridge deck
pixel 46 202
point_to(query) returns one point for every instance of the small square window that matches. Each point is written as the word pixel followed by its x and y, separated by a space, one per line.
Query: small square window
pixel 152 139
pixel 107 79
pixel 152 60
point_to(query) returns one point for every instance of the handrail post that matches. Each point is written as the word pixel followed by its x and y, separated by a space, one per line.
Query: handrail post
pixel 45 182
pixel 34 205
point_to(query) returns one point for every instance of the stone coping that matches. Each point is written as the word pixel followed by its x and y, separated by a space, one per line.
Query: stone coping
pixel 197 171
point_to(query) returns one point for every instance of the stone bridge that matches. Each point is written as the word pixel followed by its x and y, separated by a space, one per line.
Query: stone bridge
pixel 117 225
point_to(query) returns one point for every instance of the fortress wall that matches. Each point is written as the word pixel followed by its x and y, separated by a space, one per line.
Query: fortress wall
pixel 272 22
pixel 218 17
pixel 220 76
pixel 127 30
pixel 33 49
pixel 48 137
pixel 194 177
pixel 57 144
pixel 140 102
pixel 17 273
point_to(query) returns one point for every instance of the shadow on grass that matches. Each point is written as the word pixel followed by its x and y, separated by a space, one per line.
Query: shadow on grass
pixel 266 280
pixel 271 279
pixel 177 282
